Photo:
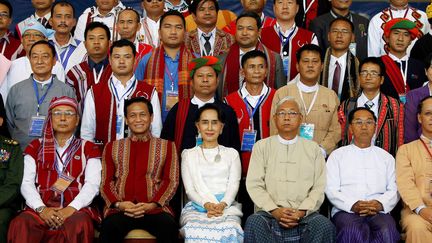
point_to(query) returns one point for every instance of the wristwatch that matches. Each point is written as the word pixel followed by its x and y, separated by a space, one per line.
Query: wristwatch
pixel 40 209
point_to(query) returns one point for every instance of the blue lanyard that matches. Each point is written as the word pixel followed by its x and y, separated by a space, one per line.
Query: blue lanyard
pixel 41 99
pixel 281 36
pixel 251 114
pixel 126 93
pixel 64 56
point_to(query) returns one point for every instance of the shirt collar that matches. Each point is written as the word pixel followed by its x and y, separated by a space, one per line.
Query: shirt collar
pixel 71 41
pixel 169 5
pixel 375 100
pixel 393 8
pixel 196 101
pixel 66 143
pixel 244 92
pixel 212 33
pixel 287 142
pixel 43 82
pixel 110 13
pixel 340 59
pixel 286 33
pixel 426 140
pixel 177 57
pixel 46 16
pixel 117 82
pixel 404 58
pixel 348 16
pixel 307 89
pixel 362 149
pixel 99 65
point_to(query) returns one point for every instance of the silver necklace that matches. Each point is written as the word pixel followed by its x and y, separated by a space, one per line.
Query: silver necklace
pixel 217 157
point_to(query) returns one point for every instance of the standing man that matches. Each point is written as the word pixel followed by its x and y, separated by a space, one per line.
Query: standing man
pixel 103 118
pixel 105 11
pixel 11 173
pixel 377 46
pixel 287 201
pixel 62 175
pixel 207 39
pixel 149 32
pixel 63 21
pixel 28 101
pixel 128 25
pixel 413 177
pixel 42 15
pixel 128 205
pixel 252 104
pixel 285 37
pixel 10 46
pixel 361 185
pixel 320 103
pixel 402 72
pixel 388 110
pixel 247 34
pixel 96 67
pixel 166 67
pixel 340 65
pixel 340 9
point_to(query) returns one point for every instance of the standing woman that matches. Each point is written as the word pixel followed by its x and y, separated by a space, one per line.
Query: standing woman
pixel 211 175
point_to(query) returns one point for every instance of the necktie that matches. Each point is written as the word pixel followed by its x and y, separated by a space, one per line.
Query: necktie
pixel 403 66
pixel 207 45
pixel 336 77
pixel 42 20
pixel 369 104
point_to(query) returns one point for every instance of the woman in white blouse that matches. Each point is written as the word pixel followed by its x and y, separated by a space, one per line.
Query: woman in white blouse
pixel 211 175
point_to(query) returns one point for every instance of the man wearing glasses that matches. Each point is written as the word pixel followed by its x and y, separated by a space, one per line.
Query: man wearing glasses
pixel 389 111
pixel 361 185
pixel 320 104
pixel 287 201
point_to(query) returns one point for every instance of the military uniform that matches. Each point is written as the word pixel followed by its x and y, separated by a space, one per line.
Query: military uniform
pixel 11 174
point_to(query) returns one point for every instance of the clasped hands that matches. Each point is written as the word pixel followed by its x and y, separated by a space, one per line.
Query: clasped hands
pixel 367 208
pixel 55 217
pixel 135 210
pixel 215 209
pixel 288 217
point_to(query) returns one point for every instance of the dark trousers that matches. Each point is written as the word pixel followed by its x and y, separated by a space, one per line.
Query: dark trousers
pixel 116 226
pixel 245 200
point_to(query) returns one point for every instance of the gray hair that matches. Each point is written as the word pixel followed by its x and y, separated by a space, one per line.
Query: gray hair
pixel 291 99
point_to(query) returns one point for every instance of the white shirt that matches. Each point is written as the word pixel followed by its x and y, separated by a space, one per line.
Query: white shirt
pixel 21 70
pixel 109 20
pixel 287 142
pixel 196 101
pixel 342 60
pixel 88 123
pixel 202 40
pixel 88 191
pixel 153 28
pixel 253 99
pixel 361 101
pixel 355 174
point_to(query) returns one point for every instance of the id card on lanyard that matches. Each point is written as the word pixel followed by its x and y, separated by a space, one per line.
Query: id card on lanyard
pixel 249 134
pixel 307 129
pixel 37 122
pixel 119 100
pixel 171 96
pixel 64 178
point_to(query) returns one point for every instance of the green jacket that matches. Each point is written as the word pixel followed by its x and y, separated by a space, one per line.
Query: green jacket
pixel 11 173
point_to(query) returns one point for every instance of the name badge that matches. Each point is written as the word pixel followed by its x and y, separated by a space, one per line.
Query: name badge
pixel 171 99
pixel 248 139
pixel 307 131
pixel 119 123
pixel 62 183
pixel 353 48
pixel 36 126
pixel 402 98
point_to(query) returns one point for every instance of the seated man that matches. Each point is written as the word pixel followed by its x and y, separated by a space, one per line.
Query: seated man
pixel 361 185
pixel 287 201
pixel 62 175
pixel 139 199
pixel 413 177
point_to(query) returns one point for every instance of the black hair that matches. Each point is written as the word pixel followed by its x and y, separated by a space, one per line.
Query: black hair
pixel 420 105
pixel 94 25
pixel 346 20
pixel 138 99
pixel 309 47
pixel 252 54
pixel 210 106
pixel 62 3
pixel 374 60
pixel 251 15
pixel 352 113
pixel 8 5
pixel 428 61
pixel 138 17
pixel 172 13
pixel 194 5
pixel 122 43
pixel 44 42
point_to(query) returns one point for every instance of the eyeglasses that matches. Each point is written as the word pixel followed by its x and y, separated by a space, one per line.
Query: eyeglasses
pixel 28 35
pixel 290 114
pixel 67 114
pixel 4 15
pixel 373 74
pixel 360 123
pixel 149 1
